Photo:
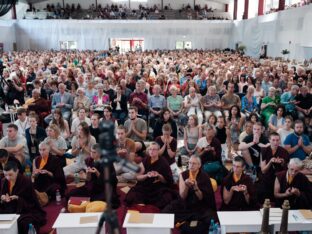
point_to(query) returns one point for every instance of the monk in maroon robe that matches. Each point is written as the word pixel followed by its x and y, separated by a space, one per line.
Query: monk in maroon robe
pixel 274 159
pixel 196 202
pixel 154 181
pixel 18 197
pixel 4 158
pixel 48 173
pixel 294 186
pixel 94 186
pixel 237 190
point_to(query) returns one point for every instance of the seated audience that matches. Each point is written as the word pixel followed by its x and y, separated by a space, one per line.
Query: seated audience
pixel 62 100
pixel 80 101
pixel 47 173
pixel 15 144
pixel 156 103
pixel 238 190
pixel 196 201
pixel 154 181
pixel 192 133
pixel 18 197
pixel 81 148
pixel 209 150
pixel 82 117
pixel 57 143
pixel 286 130
pixel 277 120
pixel 211 103
pixel 34 136
pixel 165 118
pixel 61 123
pixel 94 186
pixel 126 150
pixel 95 126
pixel 22 121
pixel 136 130
pixel 175 106
pixel 193 105
pixel 252 144
pixel 274 159
pixel 5 158
pixel 119 105
pixel 293 186
pixel 298 144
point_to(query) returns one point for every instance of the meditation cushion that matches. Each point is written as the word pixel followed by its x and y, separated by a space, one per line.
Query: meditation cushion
pixel 214 184
pixel 96 206
pixel 72 208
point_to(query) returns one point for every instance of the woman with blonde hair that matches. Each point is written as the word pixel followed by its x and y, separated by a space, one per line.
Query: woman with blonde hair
pixel 56 143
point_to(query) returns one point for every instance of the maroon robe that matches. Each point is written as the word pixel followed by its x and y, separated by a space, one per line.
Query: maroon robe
pixel 46 183
pixel 18 163
pixel 191 208
pixel 152 191
pixel 301 182
pixel 238 201
pixel 173 146
pixel 94 188
pixel 27 205
pixel 265 188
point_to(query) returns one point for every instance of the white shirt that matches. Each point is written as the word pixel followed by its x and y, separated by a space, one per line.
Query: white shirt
pixel 22 126
pixel 202 143
pixel 76 122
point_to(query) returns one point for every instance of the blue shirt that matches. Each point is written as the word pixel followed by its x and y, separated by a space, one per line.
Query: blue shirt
pixel 285 99
pixel 157 101
pixel 292 140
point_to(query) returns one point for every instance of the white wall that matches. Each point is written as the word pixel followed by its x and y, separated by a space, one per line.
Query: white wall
pixel 44 34
pixel 175 4
pixel 7 34
pixel 277 30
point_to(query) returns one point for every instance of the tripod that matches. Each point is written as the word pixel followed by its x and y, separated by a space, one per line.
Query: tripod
pixel 108 157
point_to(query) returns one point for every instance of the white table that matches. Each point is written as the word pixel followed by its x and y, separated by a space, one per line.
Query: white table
pixel 162 223
pixel 296 222
pixel 9 227
pixel 69 223
pixel 240 221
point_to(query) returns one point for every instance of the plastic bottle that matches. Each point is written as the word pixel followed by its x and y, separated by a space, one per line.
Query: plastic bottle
pixel 58 197
pixel 76 178
pixel 31 229
pixel 217 228
pixel 211 227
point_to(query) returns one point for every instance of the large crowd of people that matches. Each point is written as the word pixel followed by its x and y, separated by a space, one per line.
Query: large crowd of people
pixel 181 116
pixel 114 11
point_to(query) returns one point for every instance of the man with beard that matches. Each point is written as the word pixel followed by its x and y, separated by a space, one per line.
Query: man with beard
pixel 274 159
pixel 136 130
pixel 298 144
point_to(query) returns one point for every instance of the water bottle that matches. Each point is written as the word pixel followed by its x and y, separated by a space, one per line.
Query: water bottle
pixel 211 227
pixel 217 228
pixel 76 178
pixel 31 229
pixel 58 197
pixel 179 161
